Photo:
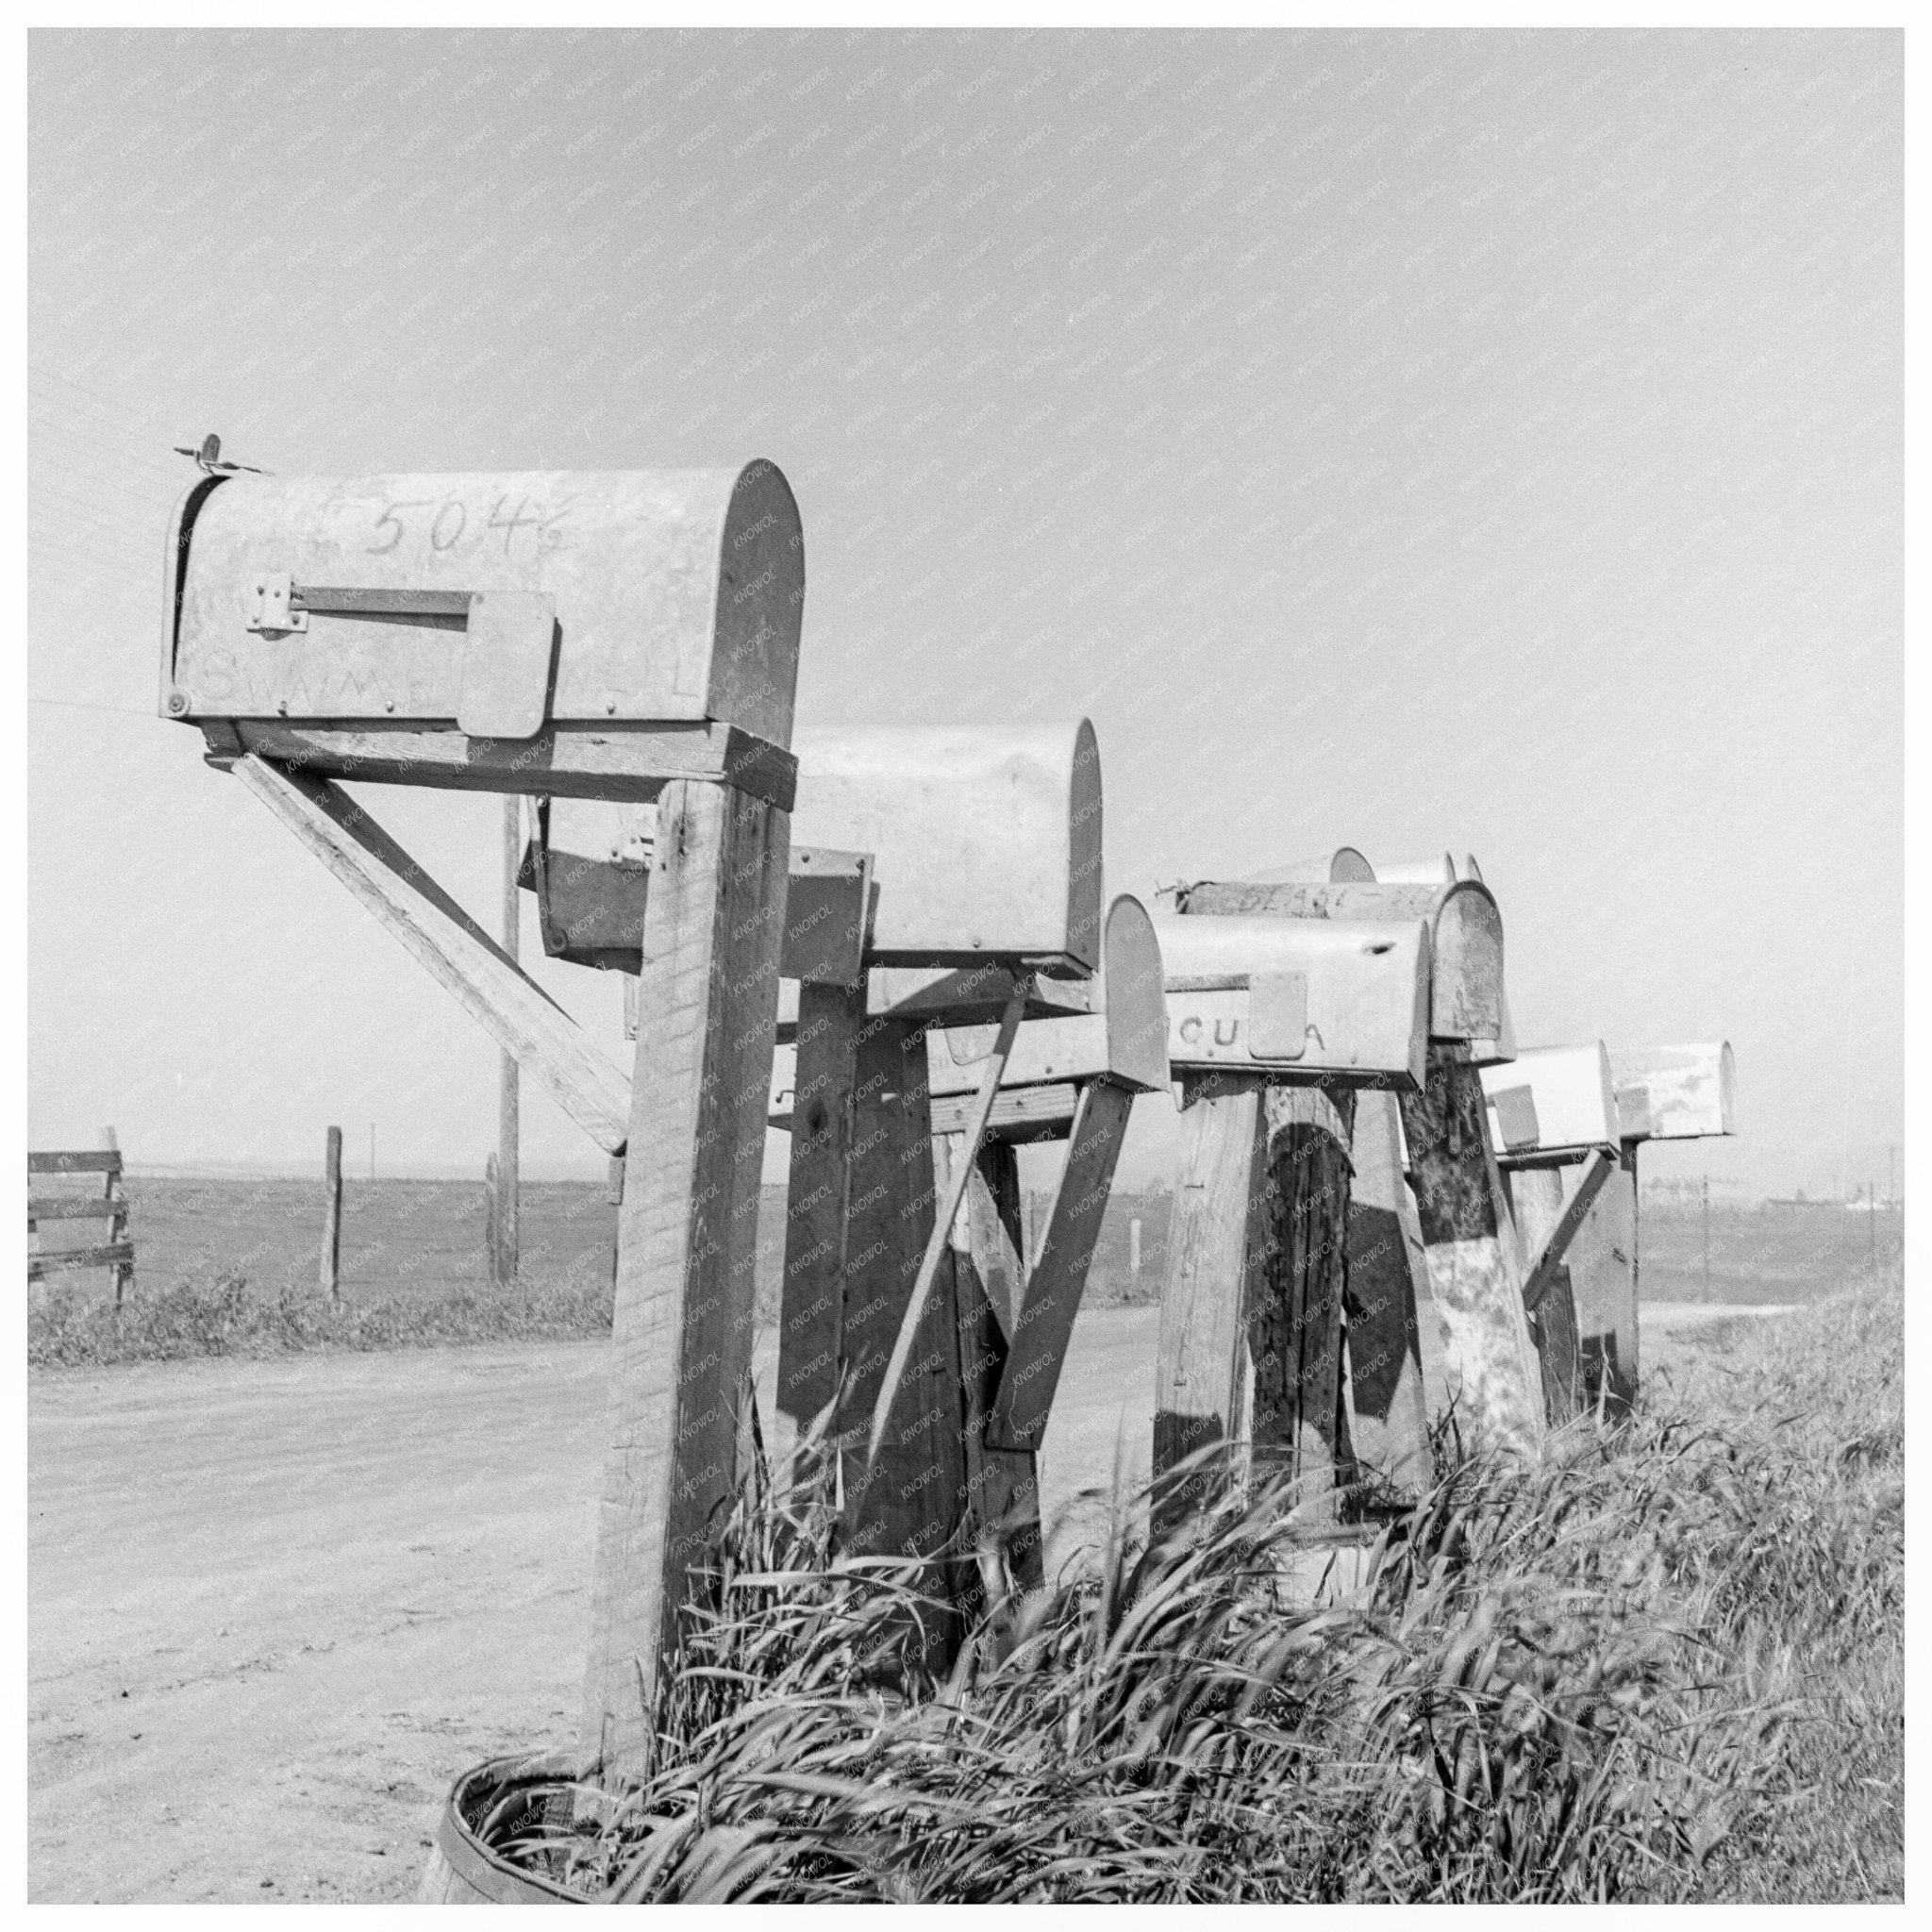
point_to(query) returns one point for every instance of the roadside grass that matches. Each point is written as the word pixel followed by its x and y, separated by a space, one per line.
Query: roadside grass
pixel 1661 1661
pixel 71 1328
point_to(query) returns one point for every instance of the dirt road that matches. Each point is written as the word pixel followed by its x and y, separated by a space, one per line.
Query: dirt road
pixel 275 1606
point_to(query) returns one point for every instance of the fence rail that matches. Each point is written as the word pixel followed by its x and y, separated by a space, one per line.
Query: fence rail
pixel 109 1204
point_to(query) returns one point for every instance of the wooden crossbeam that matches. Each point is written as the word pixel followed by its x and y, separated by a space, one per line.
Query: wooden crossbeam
pixel 428 923
pixel 75 1207
pixel 91 1161
pixel 120 1255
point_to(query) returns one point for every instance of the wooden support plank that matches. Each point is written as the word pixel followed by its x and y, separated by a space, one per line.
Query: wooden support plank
pixel 1196 1393
pixel 937 1239
pixel 75 1207
pixel 86 1161
pixel 1046 1321
pixel 682 1326
pixel 507 1241
pixel 1022 1115
pixel 1389 1348
pixel 1293 1319
pixel 117 1224
pixel 1476 1285
pixel 811 1309
pixel 989 1272
pixel 627 763
pixel 908 1497
pixel 509 1006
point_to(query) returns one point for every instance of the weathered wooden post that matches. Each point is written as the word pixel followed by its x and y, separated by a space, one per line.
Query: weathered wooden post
pixel 1275 1027
pixel 970 864
pixel 112 1190
pixel 629 637
pixel 1475 1276
pixel 331 1214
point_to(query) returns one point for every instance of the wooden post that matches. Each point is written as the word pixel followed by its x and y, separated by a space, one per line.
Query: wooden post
pixel 1294 1316
pixel 687 1241
pixel 1394 1343
pixel 504 1249
pixel 614 1195
pixel 909 1497
pixel 990 1278
pixel 328 1274
pixel 1133 1250
pixel 1211 1250
pixel 811 1320
pixel 117 1224
pixel 1602 1263
pixel 1474 1282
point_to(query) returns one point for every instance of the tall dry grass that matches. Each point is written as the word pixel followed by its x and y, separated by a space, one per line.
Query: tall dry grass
pixel 1661 1661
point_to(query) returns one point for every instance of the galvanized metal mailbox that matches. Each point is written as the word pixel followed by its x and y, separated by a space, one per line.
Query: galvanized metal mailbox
pixel 1676 1093
pixel 1466 1002
pixel 1329 1000
pixel 1551 1102
pixel 562 632
pixel 984 844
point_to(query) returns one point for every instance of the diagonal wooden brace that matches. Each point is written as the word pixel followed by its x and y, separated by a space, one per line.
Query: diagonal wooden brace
pixel 1052 1296
pixel 509 1006
pixel 1543 1271
pixel 941 1238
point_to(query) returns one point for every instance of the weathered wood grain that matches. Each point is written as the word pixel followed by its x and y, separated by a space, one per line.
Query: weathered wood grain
pixel 328 1269
pixel 1293 1319
pixel 1475 1284
pixel 1392 1344
pixel 1196 1392
pixel 682 1327
pixel 812 1304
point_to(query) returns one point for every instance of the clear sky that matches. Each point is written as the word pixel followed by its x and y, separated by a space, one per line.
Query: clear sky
pixel 1409 440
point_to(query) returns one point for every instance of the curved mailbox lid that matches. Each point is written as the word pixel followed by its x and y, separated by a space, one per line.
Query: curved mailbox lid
pixel 1344 862
pixel 984 844
pixel 676 595
pixel 1676 1093
pixel 1552 1099
pixel 1318 1000
pixel 1125 1041
pixel 1465 930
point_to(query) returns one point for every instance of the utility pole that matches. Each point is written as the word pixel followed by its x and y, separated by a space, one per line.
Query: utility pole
pixel 503 1249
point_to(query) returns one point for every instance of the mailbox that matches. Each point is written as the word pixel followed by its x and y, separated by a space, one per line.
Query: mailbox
pixel 1466 1003
pixel 1676 1093
pixel 1122 1038
pixel 1327 1000
pixel 984 844
pixel 551 632
pixel 1553 1103
pixel 589 865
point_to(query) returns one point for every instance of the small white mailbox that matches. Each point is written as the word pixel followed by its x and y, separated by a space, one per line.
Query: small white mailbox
pixel 1676 1093
pixel 556 632
pixel 1552 1102
pixel 1327 1000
